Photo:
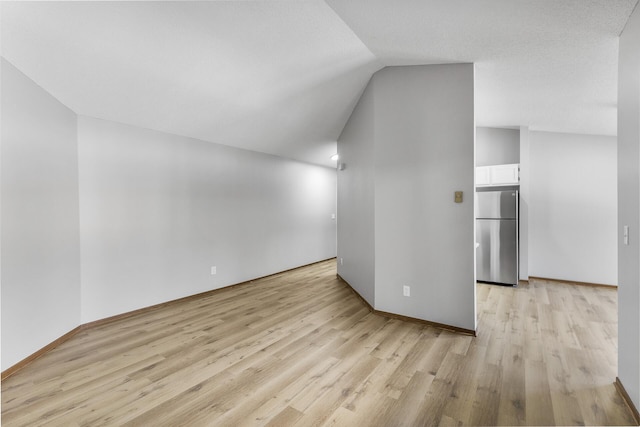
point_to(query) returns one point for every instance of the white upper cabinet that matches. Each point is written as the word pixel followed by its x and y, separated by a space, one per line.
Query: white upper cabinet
pixel 498 175
pixel 483 176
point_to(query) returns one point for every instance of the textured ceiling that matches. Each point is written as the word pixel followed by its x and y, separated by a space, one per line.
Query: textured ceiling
pixel 283 76
pixel 547 64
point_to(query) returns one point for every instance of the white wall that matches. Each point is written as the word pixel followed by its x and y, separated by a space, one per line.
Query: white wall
pixel 523 232
pixel 423 131
pixel 572 207
pixel 356 238
pixel 629 207
pixel 158 210
pixel 100 218
pixel 495 146
pixel 40 238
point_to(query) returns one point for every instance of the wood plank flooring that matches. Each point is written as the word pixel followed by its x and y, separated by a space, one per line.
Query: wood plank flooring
pixel 300 349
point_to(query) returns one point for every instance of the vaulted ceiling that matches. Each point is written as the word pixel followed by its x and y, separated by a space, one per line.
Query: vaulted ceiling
pixel 282 77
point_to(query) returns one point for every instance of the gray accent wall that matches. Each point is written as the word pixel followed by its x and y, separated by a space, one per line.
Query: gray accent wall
pixel 629 207
pixel 423 131
pixel 40 235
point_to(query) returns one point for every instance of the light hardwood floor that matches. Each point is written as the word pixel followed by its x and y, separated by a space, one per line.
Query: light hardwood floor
pixel 299 348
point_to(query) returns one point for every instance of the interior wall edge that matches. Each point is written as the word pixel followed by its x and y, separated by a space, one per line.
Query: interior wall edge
pixel 443 326
pixel 573 282
pixel 627 400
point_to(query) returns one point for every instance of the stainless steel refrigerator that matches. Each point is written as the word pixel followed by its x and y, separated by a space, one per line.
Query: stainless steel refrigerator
pixel 497 237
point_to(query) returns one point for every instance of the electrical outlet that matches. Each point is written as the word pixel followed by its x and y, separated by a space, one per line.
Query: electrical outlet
pixel 340 260
pixel 213 270
pixel 406 291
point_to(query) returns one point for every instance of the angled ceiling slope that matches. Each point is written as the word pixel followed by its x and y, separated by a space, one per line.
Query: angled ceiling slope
pixel 273 76
pixel 282 77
